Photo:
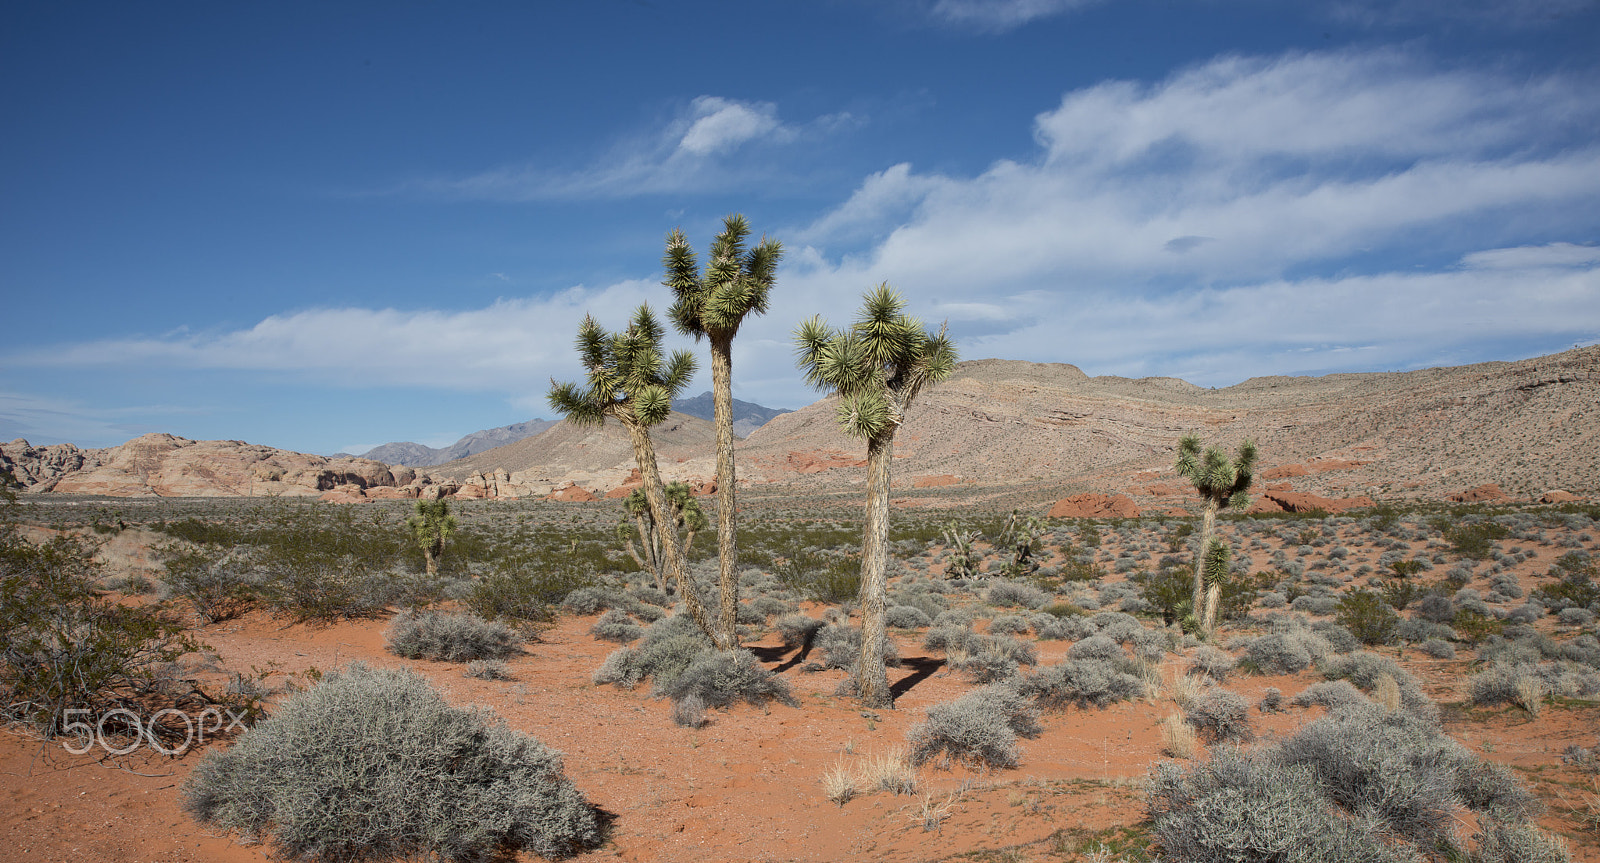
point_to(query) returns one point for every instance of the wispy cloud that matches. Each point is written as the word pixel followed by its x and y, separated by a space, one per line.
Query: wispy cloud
pixel 52 419
pixel 712 142
pixel 999 16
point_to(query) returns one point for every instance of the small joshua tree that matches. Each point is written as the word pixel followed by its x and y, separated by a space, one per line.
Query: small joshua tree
pixel 877 367
pixel 688 517
pixel 1221 483
pixel 961 561
pixel 430 526
pixel 1021 537
pixel 628 382
pixel 735 283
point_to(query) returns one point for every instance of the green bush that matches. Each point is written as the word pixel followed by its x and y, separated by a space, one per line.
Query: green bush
pixel 216 585
pixel 519 596
pixel 374 765
pixel 450 637
pixel 64 647
pixel 1368 617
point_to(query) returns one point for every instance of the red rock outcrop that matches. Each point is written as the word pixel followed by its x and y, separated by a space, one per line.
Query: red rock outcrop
pixel 1482 494
pixel 1299 501
pixel 1093 505
pixel 571 494
pixel 1557 495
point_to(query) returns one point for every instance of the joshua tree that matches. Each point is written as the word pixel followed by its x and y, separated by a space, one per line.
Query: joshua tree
pixel 1221 483
pixel 629 383
pixel 687 517
pixel 735 283
pixel 876 367
pixel 431 525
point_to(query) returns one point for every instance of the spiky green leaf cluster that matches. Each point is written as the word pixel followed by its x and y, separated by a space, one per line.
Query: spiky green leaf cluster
pixel 431 521
pixel 629 379
pixel 736 281
pixel 1218 554
pixel 876 366
pixel 1215 476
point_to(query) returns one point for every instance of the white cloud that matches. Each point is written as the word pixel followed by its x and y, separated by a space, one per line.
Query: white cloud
pixel 51 419
pixel 720 125
pixel 699 149
pixel 1550 255
pixel 1002 15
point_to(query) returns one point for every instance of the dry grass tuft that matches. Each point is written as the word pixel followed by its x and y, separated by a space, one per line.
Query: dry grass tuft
pixel 1177 736
pixel 1387 692
pixel 890 771
pixel 1530 693
pixel 839 783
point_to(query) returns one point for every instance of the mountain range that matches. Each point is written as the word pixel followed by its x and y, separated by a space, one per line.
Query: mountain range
pixel 747 417
pixel 1001 429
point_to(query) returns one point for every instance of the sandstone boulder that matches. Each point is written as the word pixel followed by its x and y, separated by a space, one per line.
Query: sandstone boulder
pixel 1485 493
pixel 1558 495
pixel 1094 505
pixel 570 493
pixel 1299 501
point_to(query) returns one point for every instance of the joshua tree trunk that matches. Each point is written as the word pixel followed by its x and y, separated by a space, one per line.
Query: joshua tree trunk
pixel 655 494
pixel 430 557
pixel 1208 525
pixel 727 514
pixel 1213 594
pixel 872 678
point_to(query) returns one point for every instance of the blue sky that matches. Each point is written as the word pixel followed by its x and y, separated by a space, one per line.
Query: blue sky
pixel 327 226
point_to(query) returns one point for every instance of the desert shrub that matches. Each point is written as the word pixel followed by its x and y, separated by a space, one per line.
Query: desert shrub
pixel 720 678
pixel 1211 662
pixel 1250 807
pixel 668 647
pixel 1436 608
pixel 1117 626
pixel 1573 616
pixel 1009 624
pixel 519 596
pixel 375 765
pixel 1320 605
pixel 1519 843
pixel 1083 682
pixel 990 658
pixel 954 617
pixel 1014 593
pixel 488 669
pixel 1421 630
pixel 218 586
pixel 979 728
pixel 64 647
pixel 1095 647
pixel 651 595
pixel 1402 774
pixel 906 617
pixel 841 647
pixel 615 625
pixel 1220 715
pixel 1438 648
pixel 449 637
pixel 1367 671
pixel 689 711
pixel 319 588
pixel 587 600
pixel 1278 653
pixel 797 630
pixel 951 639
pixel 1271 700
pixel 1066 629
pixel 1335 695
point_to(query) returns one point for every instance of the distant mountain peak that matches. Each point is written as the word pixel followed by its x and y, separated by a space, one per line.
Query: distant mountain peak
pixel 417 455
pixel 747 416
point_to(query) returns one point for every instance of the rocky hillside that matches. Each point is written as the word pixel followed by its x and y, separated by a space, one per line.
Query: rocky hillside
pixel 1527 427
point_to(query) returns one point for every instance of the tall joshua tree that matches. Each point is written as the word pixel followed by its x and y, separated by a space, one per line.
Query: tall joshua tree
pixel 713 305
pixel 1221 483
pixel 876 367
pixel 431 524
pixel 629 382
